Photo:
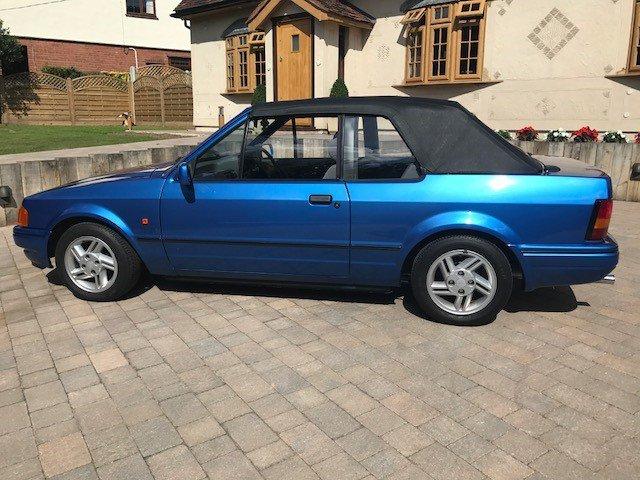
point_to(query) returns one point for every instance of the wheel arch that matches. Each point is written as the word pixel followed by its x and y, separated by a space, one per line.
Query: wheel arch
pixel 65 223
pixel 516 266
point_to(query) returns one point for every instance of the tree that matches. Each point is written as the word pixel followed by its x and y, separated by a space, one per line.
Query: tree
pixel 15 95
pixel 10 48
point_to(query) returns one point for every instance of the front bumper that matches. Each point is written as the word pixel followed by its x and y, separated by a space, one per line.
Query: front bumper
pixel 554 266
pixel 34 243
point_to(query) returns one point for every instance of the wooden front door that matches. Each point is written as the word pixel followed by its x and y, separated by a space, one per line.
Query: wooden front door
pixel 294 59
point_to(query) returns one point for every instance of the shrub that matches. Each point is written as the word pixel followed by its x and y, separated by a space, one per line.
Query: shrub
pixel 64 72
pixel 527 134
pixel 585 134
pixel 259 94
pixel 506 134
pixel 614 137
pixel 339 89
pixel 558 136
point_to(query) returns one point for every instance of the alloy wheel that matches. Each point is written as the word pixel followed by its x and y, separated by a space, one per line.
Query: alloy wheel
pixel 461 282
pixel 91 264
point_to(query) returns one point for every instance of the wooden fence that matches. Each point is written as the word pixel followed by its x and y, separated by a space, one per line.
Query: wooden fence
pixel 164 95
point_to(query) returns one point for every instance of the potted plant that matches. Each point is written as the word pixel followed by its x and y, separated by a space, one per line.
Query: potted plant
pixel 339 89
pixel 585 134
pixel 259 96
pixel 614 137
pixel 527 134
pixel 506 134
pixel 558 135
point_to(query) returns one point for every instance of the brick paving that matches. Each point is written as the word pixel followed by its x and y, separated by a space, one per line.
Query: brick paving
pixel 190 382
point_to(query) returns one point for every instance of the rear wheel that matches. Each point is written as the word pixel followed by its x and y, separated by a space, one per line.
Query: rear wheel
pixel 461 280
pixel 96 263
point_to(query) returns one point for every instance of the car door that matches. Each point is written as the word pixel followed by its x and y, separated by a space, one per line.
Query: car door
pixel 386 187
pixel 278 211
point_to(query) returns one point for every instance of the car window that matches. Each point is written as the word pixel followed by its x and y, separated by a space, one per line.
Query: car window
pixel 287 148
pixel 374 150
pixel 221 160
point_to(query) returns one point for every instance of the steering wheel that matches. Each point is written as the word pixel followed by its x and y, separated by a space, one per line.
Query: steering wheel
pixel 273 162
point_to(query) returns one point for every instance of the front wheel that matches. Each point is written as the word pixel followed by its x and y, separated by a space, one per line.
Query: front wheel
pixel 96 263
pixel 461 280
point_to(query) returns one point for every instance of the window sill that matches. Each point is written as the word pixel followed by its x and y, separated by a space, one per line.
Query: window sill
pixel 448 82
pixel 148 16
pixel 244 92
pixel 625 74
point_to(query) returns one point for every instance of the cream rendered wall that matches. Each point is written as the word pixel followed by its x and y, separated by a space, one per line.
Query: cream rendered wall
pixel 103 21
pixel 208 63
pixel 566 91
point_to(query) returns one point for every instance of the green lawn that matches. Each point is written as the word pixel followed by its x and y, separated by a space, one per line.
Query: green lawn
pixel 37 138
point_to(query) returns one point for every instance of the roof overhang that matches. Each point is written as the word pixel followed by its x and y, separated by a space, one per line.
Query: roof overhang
pixel 317 9
pixel 219 6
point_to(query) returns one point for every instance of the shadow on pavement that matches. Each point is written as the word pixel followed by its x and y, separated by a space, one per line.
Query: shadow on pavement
pixel 558 299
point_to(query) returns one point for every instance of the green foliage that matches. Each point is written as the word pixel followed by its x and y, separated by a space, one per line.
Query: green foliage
pixel 506 134
pixel 10 48
pixel 339 89
pixel 614 137
pixel 259 94
pixel 64 72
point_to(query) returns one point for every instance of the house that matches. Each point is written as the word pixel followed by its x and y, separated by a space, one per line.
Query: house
pixel 105 35
pixel 550 63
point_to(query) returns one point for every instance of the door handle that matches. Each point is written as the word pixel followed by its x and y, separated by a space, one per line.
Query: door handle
pixel 320 199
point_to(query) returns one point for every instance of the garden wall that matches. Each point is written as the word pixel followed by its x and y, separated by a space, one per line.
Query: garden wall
pixel 27 178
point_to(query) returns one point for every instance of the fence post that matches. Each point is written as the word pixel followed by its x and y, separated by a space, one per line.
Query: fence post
pixel 162 112
pixel 132 99
pixel 72 103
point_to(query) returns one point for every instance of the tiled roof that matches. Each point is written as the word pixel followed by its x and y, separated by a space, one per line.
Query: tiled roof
pixel 340 8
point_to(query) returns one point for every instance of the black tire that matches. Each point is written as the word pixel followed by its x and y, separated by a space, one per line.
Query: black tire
pixel 433 251
pixel 129 264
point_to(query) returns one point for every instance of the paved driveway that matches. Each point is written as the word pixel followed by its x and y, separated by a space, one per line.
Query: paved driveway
pixel 188 381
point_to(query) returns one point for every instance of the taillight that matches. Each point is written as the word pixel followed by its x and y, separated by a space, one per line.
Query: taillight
pixel 601 220
pixel 23 217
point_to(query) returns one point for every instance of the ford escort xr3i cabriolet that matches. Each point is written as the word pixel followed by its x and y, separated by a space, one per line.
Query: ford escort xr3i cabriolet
pixel 360 192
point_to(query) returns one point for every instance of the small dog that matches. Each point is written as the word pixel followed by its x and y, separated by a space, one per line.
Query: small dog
pixel 127 120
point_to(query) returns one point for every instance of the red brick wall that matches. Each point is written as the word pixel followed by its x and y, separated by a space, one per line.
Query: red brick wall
pixel 91 57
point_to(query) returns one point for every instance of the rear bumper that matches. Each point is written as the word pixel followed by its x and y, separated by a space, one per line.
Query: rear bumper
pixel 34 243
pixel 568 265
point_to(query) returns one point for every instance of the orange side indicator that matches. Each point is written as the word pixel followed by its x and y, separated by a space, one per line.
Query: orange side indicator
pixel 144 221
pixel 23 217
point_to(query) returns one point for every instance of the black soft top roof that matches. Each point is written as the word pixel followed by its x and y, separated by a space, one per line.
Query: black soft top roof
pixel 444 136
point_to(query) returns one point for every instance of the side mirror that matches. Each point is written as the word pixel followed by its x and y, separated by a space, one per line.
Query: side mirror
pixel 6 196
pixel 184 175
pixel 635 172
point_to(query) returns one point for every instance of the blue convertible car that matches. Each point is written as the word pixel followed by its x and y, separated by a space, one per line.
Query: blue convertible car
pixel 360 192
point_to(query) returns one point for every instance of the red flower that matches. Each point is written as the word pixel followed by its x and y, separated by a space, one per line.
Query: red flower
pixel 585 134
pixel 527 134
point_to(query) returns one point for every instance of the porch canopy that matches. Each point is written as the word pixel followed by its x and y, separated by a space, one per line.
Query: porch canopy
pixel 338 11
